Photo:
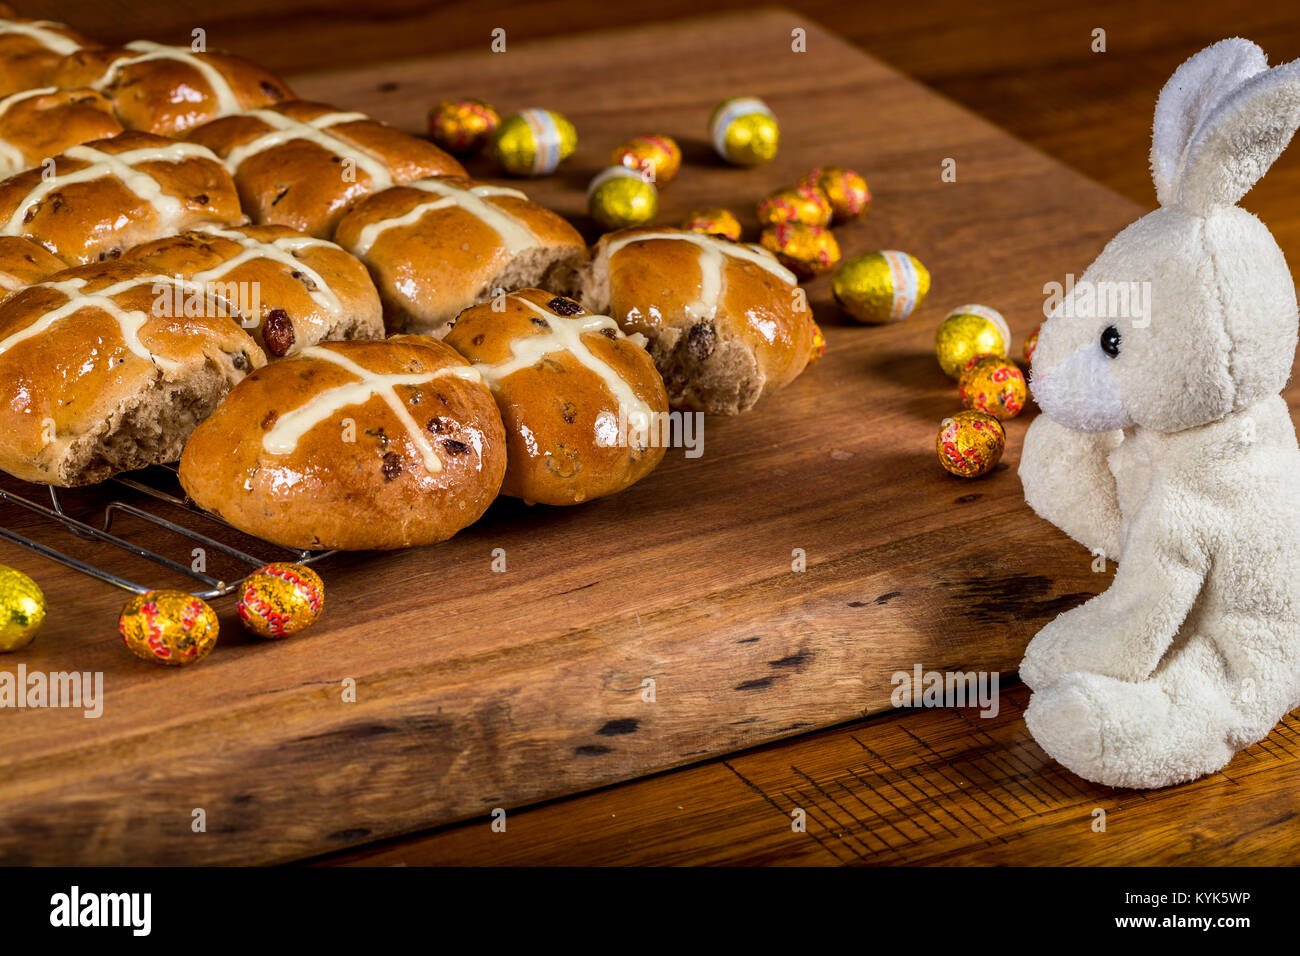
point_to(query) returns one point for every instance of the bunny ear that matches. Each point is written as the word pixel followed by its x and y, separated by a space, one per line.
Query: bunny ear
pixel 1193 94
pixel 1221 121
pixel 1241 139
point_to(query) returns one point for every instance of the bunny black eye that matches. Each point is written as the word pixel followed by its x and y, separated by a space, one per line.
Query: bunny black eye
pixel 1110 341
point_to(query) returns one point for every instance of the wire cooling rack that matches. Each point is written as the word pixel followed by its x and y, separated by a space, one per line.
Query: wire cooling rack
pixel 159 486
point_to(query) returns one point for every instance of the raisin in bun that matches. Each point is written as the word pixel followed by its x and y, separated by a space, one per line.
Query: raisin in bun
pixel 169 89
pixel 23 262
pixel 438 246
pixel 352 445
pixel 36 124
pixel 723 320
pixel 31 51
pixel 100 373
pixel 581 402
pixel 303 164
pixel 291 291
pixel 110 194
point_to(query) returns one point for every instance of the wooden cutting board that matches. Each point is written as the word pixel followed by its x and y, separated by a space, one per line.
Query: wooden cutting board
pixel 477 689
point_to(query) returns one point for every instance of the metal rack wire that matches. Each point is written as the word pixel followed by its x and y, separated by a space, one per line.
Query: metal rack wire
pixel 212 587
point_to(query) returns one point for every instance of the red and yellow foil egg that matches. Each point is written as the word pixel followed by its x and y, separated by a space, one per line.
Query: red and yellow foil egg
pixel 464 126
pixel 657 158
pixel 805 250
pixel 845 190
pixel 970 443
pixel 169 627
pixel 280 599
pixel 994 385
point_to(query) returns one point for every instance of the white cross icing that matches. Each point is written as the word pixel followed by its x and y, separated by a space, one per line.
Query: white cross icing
pixel 283 437
pixel 514 235
pixel 713 257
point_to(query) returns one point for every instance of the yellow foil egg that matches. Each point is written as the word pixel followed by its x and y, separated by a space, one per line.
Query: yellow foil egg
pixel 807 204
pixel 533 142
pixel 994 385
pixel 714 222
pixel 1031 343
pixel 968 331
pixel 280 599
pixel 970 443
pixel 22 609
pixel 744 131
pixel 805 250
pixel 462 127
pixel 881 287
pixel 844 189
pixel 619 197
pixel 169 627
pixel 657 158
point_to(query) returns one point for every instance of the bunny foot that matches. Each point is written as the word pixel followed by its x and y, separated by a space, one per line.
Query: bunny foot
pixel 1125 734
pixel 1081 639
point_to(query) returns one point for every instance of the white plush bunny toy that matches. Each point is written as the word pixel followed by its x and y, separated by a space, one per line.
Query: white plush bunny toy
pixel 1166 446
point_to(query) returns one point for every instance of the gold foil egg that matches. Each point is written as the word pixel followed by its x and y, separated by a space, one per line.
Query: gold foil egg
pixel 1031 343
pixel 169 627
pixel 620 197
pixel 22 609
pixel 714 222
pixel 881 287
pixel 657 158
pixel 533 142
pixel 462 127
pixel 970 443
pixel 968 331
pixel 805 250
pixel 994 385
pixel 280 599
pixel 744 132
pixel 844 189
pixel 807 204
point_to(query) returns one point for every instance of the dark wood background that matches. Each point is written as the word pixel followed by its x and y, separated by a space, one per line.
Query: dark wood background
pixel 1029 68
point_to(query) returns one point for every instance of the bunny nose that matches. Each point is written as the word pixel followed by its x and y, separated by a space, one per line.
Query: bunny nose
pixel 1080 392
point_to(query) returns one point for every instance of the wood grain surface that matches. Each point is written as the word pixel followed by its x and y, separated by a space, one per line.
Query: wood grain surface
pixel 477 689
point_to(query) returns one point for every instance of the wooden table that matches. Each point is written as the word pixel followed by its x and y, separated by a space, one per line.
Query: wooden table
pixel 927 786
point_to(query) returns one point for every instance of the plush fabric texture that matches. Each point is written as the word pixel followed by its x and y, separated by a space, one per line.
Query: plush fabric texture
pixel 1165 446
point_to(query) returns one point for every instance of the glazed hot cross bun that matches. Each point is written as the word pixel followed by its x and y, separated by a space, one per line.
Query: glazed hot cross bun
pixel 169 89
pixel 23 262
pixel 31 51
pixel 40 123
pixel 292 291
pixel 438 246
pixel 352 445
pixel 110 194
pixel 304 164
pixel 581 402
pixel 100 374
pixel 726 322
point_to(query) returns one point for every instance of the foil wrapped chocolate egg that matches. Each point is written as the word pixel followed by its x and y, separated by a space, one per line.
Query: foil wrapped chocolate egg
pixel 22 609
pixel 968 331
pixel 844 189
pixel 744 131
pixel 280 599
pixel 994 385
pixel 656 158
pixel 462 127
pixel 533 142
pixel 881 287
pixel 619 197
pixel 818 344
pixel 1031 343
pixel 805 250
pixel 168 627
pixel 714 222
pixel 970 443
pixel 807 204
